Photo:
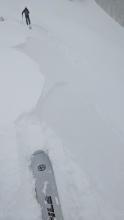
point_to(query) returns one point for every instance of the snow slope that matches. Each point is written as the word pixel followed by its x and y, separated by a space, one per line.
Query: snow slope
pixel 78 118
pixel 114 8
pixel 20 79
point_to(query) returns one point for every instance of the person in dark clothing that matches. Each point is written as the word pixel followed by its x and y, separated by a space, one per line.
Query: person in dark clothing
pixel 27 17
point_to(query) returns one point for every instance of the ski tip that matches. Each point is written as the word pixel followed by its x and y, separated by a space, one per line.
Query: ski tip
pixel 39 152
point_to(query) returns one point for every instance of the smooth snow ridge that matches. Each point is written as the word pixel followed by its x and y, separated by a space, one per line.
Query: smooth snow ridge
pixel 20 79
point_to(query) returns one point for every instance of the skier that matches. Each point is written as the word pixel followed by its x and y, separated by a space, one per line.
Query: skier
pixel 26 12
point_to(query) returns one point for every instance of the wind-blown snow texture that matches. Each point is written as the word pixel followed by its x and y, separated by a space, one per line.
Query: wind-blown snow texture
pixel 71 107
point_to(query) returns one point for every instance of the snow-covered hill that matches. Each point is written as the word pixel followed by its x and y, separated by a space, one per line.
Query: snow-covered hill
pixel 71 106
pixel 115 8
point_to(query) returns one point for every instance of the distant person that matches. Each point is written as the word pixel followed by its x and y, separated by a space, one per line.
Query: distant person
pixel 27 17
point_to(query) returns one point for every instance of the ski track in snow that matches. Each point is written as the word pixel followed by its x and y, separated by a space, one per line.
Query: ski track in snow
pixel 72 183
pixel 25 137
pixel 79 194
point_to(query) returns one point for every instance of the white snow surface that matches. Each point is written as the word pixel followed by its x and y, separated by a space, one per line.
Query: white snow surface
pixel 20 79
pixel 61 90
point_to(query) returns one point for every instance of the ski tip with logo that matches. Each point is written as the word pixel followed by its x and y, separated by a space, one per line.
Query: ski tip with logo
pixel 45 186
